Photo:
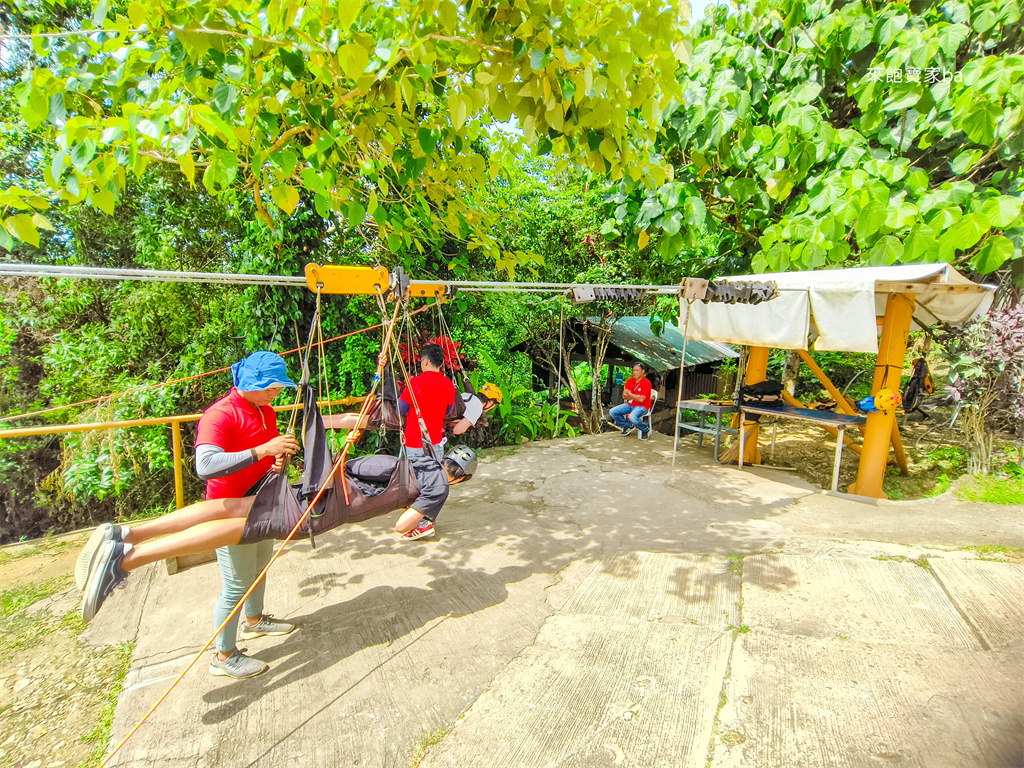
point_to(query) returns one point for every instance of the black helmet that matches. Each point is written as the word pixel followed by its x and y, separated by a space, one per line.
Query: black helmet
pixel 465 457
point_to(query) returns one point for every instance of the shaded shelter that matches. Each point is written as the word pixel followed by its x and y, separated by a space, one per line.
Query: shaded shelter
pixel 862 309
pixel 632 339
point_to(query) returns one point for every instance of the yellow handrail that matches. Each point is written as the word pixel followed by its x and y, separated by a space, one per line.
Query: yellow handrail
pixel 174 421
pixel 94 426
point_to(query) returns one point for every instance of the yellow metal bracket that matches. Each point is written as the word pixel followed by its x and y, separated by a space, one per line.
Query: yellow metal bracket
pixel 333 278
pixel 429 291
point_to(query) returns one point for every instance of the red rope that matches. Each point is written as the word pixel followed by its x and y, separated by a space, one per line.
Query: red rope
pixel 172 382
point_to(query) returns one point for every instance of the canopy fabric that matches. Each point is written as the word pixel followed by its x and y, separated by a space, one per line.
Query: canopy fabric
pixel 840 304
pixel 633 335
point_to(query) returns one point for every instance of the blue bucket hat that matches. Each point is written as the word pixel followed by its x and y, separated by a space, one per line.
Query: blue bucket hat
pixel 260 370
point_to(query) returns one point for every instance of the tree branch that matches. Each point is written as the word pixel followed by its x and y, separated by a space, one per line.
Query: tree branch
pixel 740 231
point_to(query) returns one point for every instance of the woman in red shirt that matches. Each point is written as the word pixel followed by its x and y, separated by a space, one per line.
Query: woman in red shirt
pixel 237 443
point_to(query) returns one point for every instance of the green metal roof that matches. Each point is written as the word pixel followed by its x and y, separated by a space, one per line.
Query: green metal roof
pixel 634 335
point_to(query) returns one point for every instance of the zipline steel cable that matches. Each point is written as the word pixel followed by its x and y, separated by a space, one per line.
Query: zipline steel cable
pixel 54 271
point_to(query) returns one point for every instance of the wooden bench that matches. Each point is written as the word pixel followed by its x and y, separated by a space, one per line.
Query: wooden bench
pixel 838 421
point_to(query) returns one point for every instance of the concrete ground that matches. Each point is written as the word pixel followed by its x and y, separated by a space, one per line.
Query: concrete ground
pixel 585 604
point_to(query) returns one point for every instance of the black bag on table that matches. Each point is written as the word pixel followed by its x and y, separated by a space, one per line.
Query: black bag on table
pixel 763 394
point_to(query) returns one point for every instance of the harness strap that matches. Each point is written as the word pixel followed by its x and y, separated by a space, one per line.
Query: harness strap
pixel 403 479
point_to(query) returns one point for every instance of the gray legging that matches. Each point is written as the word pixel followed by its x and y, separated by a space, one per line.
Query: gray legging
pixel 239 565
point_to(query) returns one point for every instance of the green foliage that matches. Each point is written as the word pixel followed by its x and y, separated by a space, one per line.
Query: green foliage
pixel 797 143
pixel 986 371
pixel 849 371
pixel 993 490
pixel 527 415
pixel 373 112
pixel 948 457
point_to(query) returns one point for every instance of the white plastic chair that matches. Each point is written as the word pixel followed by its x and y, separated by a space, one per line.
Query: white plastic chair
pixel 647 416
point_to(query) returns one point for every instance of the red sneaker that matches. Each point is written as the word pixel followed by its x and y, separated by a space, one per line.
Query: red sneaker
pixel 421 531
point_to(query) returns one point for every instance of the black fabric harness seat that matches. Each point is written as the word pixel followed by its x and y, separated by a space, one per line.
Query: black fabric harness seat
pixel 278 505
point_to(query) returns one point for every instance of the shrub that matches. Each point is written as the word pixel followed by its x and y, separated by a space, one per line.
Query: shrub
pixel 986 378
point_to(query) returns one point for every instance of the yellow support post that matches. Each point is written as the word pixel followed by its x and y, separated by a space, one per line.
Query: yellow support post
pixel 897 448
pixel 843 403
pixel 419 290
pixel 757 370
pixel 892 349
pixel 179 484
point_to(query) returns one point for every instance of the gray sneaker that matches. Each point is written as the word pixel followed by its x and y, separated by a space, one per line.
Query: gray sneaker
pixel 87 557
pixel 237 665
pixel 106 576
pixel 266 626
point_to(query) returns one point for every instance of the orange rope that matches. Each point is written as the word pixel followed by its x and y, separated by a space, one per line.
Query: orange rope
pixel 364 411
pixel 171 382
pixel 339 464
pixel 231 615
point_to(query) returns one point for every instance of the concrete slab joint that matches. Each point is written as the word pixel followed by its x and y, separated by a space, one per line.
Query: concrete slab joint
pixel 587 605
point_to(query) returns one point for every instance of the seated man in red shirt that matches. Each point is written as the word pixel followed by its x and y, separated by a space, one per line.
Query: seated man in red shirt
pixel 636 394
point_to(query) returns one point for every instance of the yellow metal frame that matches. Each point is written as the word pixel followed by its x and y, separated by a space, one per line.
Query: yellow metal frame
pixel 174 421
pixel 428 291
pixel 332 278
pixel 347 280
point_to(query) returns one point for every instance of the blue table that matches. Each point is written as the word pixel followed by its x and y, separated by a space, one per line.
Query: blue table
pixel 839 421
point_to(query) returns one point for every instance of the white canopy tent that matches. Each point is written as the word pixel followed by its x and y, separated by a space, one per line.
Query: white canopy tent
pixel 842 305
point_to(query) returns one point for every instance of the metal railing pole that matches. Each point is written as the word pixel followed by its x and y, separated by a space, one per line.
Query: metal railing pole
pixel 179 485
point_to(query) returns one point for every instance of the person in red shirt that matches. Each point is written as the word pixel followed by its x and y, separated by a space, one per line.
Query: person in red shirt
pixel 434 393
pixel 237 444
pixel 636 394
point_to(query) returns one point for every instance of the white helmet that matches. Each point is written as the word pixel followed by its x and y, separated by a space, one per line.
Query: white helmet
pixel 465 457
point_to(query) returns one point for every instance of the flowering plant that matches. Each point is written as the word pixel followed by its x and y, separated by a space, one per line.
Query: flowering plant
pixel 986 359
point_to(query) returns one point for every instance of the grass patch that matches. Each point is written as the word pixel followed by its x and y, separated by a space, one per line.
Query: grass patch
pixel 732 738
pixel 930 473
pixel 992 490
pixel 998 554
pixel 18 628
pixel 100 735
pixel 736 563
pixel 427 741
pixel 942 483
pixel 920 562
pixel 44 546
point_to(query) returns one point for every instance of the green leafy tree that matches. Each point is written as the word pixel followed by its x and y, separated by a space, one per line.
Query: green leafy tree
pixel 376 111
pixel 813 134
